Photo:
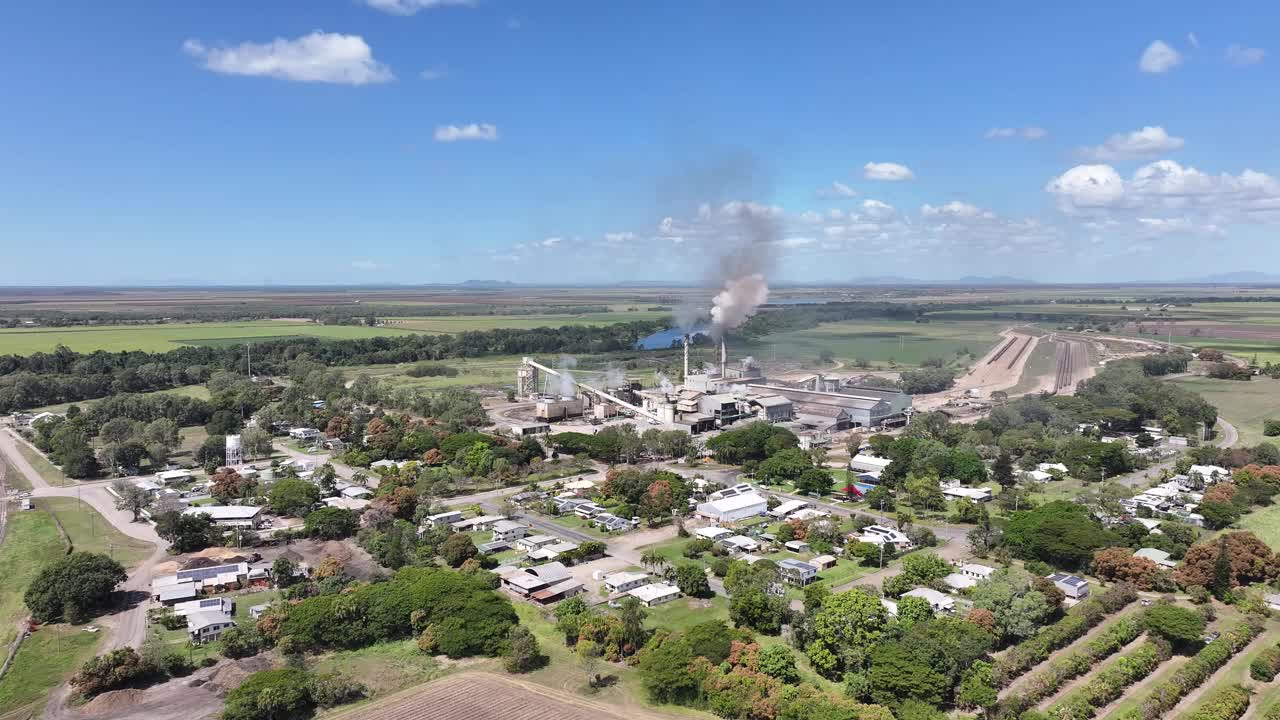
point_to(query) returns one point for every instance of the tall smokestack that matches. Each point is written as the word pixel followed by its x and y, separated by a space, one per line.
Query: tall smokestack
pixel 686 356
pixel 724 357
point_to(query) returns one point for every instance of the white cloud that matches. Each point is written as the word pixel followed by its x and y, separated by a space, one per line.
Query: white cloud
pixel 434 73
pixel 1159 58
pixel 1244 56
pixel 550 242
pixel 1165 185
pixel 887 171
pixel 791 243
pixel 954 210
pixel 1155 226
pixel 412 7
pixel 616 238
pixel 877 210
pixel 837 189
pixel 1139 143
pixel 1026 133
pixel 811 217
pixel 474 131
pixel 364 265
pixel 1195 41
pixel 318 57
pixel 1088 186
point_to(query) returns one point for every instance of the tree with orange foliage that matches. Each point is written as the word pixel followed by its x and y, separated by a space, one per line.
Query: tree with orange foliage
pixel 1249 560
pixel 1119 564
pixel 401 502
pixel 339 427
pixel 227 484
pixel 983 618
pixel 799 528
pixel 1223 492
pixel 433 457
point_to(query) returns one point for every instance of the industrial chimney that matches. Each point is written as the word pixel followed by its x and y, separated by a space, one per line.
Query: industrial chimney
pixel 686 356
pixel 724 358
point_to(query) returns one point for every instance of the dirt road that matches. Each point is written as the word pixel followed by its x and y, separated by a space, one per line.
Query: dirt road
pixel 1000 369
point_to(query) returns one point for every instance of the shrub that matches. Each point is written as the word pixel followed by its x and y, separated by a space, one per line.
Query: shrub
pixel 1266 665
pixel 1179 625
pixel 1226 703
pixel 1034 650
pixel 1111 682
pixel 1068 667
pixel 117 669
pixel 1165 696
pixel 242 641
pixel 270 694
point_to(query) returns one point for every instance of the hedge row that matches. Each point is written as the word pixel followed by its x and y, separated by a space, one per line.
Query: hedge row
pixel 1192 675
pixel 1266 665
pixel 1111 682
pixel 1226 703
pixel 1034 650
pixel 1068 667
pixel 1272 713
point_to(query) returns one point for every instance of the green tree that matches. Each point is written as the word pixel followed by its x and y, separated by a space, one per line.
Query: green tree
pixel 912 610
pixel 270 695
pixel 632 614
pixel 186 533
pixel 778 661
pixel 1181 626
pixel 711 639
pixel 814 480
pixel 692 580
pixel 900 672
pixel 241 641
pixel 1062 533
pixel 759 610
pixel 457 549
pixel 73 588
pixel 524 654
pixel 664 671
pixel 131 498
pixel 978 688
pixel 293 497
pixel 848 620
pixel 1002 470
pixel 784 466
pixel 331 523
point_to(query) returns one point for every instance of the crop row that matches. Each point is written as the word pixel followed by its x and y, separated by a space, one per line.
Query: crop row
pixel 1111 682
pixel 1165 695
pixel 1062 670
pixel 1036 649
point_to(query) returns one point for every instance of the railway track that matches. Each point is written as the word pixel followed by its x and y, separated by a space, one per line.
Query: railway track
pixel 1072 358
pixel 1003 350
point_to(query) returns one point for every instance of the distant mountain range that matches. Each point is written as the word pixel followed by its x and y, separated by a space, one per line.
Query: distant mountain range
pixel 1228 278
pixel 966 280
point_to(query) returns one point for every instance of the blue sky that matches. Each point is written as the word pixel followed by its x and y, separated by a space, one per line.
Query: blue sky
pixel 413 141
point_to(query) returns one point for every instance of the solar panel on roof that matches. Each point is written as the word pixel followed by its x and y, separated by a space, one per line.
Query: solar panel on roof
pixel 199 574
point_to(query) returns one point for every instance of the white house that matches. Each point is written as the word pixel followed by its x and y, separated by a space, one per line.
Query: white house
pixel 881 535
pixel 173 477
pixel 246 516
pixel 788 507
pixel 1039 476
pixel 740 543
pixel 940 602
pixel 979 494
pixel 508 531
pixel 1073 587
pixel 207 625
pixel 713 533
pixel 533 542
pixel 655 594
pixel 624 581
pixel 553 551
pixel 226 606
pixel 1052 467
pixel 476 524
pixel 868 463
pixel 304 434
pixel 1159 557
pixel 445 518
pixel 1208 474
pixel 796 546
pixel 732 509
pixel 976 571
pixel 958 582
pixel 732 491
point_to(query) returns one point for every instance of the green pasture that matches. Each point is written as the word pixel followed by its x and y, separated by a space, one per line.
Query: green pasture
pixel 167 336
pixel 464 323
pixel 880 342
pixel 1244 404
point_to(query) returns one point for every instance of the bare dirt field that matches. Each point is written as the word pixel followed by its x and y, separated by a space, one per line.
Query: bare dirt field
pixel 481 696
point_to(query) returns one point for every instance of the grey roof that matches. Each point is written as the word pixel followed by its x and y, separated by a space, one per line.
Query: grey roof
pixel 206 618
pixel 1066 579
pixel 797 565
pixel 178 592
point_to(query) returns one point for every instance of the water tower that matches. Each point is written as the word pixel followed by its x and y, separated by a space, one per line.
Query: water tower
pixel 235 453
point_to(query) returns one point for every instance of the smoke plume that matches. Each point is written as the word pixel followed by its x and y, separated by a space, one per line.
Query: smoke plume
pixel 665 383
pixel 565 367
pixel 743 264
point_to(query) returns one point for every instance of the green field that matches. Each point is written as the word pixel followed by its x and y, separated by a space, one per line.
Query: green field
pixel 47 470
pixel 30 541
pixel 1243 404
pixel 159 338
pixel 165 336
pixel 90 532
pixel 196 391
pixel 880 342
pixel 45 660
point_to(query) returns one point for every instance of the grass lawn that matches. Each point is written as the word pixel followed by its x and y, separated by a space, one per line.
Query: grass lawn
pixel 244 602
pixel 1237 670
pixel 573 522
pixel 882 341
pixel 14 479
pixel 1265 523
pixel 47 470
pixel 43 662
pixel 178 641
pixel 685 612
pixel 89 532
pixel 167 336
pixel 1243 404
pixel 385 667
pixel 31 540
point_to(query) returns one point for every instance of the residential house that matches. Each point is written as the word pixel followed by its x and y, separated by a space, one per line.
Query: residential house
pixel 476 524
pixel 976 571
pixel 490 548
pixel 977 495
pixel 206 626
pixel 188 584
pixel 554 551
pixel 796 572
pixel 1039 476
pixel 958 582
pixel 257 611
pixel 1203 475
pixel 441 519
pixel 882 535
pixel 655 594
pixel 624 581
pixel 787 508
pixel 740 543
pixel 230 516
pixel 173 477
pixel 713 532
pixel 588 510
pixel 868 463
pixel 1075 588
pixel 305 434
pixel 508 530
pixel 560 591
pixel 1052 468
pixel 533 542
pixel 612 523
pixel 526 581
pixel 224 605
pixel 1159 557
pixel 809 514
pixel 940 602
pixel 735 508
pixel 796 546
pixel 580 488
pixel 823 561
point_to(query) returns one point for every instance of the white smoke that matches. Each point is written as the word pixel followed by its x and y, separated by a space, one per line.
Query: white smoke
pixel 665 383
pixel 614 377
pixel 738 301
pixel 565 367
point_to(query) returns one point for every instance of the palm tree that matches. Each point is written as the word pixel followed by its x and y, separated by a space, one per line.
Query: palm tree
pixel 652 559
